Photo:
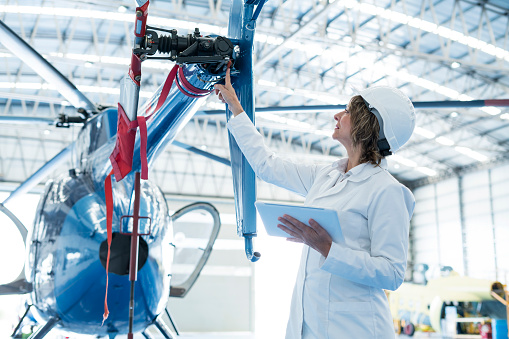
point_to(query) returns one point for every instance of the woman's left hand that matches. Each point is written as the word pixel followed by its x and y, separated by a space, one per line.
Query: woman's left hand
pixel 314 235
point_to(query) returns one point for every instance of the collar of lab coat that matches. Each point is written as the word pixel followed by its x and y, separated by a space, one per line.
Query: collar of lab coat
pixel 358 173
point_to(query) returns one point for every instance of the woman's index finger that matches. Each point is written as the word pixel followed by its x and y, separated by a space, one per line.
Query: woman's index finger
pixel 227 77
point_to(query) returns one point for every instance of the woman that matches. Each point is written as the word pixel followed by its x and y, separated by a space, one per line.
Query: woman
pixel 339 289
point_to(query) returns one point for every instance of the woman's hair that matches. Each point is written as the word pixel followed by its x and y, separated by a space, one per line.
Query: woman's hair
pixel 365 130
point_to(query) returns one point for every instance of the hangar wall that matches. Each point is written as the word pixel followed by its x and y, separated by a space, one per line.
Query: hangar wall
pixel 221 299
pixel 463 222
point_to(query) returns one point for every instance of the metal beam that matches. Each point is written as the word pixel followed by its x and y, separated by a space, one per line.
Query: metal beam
pixel 492 217
pixel 462 225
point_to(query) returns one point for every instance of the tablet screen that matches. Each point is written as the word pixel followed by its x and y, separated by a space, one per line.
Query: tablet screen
pixel 327 218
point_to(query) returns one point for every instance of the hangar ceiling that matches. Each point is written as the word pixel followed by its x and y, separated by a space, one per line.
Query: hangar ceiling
pixel 306 53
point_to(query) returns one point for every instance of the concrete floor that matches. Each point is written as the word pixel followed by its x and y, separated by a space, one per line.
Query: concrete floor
pixel 242 335
pixel 253 336
pixel 420 335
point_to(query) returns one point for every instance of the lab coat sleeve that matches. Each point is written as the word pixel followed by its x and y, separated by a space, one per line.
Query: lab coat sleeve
pixel 266 164
pixel 389 215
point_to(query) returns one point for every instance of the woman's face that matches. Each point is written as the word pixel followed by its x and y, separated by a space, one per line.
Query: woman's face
pixel 342 132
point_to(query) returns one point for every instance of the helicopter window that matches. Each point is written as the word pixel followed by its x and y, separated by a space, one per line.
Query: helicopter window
pixel 11 241
pixel 191 235
pixel 12 247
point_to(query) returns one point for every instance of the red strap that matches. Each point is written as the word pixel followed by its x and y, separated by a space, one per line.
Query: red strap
pixel 142 123
pixel 122 156
pixel 108 196
pixel 166 89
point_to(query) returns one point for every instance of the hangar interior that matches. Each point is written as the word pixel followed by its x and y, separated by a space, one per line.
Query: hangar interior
pixel 306 53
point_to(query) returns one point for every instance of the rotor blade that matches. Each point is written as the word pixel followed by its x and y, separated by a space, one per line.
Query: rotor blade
pixel 42 67
pixel 41 173
pixel 20 285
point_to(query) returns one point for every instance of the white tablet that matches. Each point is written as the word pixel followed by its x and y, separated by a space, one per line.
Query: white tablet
pixel 327 218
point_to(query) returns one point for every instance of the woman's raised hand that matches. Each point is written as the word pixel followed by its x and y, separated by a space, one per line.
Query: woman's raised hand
pixel 227 94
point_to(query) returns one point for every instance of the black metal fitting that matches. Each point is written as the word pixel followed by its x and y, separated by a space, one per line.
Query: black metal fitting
pixel 186 49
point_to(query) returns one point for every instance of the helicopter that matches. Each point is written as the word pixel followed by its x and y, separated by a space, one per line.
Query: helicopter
pixel 101 208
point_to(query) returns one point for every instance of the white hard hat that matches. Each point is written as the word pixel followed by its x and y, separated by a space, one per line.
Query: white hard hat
pixel 396 116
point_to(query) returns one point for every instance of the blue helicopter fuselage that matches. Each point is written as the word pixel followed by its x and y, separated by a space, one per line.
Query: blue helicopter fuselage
pixel 67 242
pixel 68 277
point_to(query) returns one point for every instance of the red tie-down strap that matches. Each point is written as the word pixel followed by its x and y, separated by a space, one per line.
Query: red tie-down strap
pixel 122 156
pixel 166 90
pixel 142 124
pixel 108 194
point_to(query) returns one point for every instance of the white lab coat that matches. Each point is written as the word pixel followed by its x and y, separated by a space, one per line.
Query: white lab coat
pixel 341 296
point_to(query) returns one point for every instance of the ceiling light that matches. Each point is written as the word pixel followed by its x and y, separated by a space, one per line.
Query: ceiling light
pixel 455 64
pixel 97 89
pixel 403 161
pixel 491 110
pixel 88 64
pixel 424 132
pixel 444 141
pixel 27 329
pixel 428 84
pixel 216 105
pixel 453 114
pixel 426 170
pixel 471 153
pixel 267 83
pixel 122 9
pixel 295 125
pixel 333 36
